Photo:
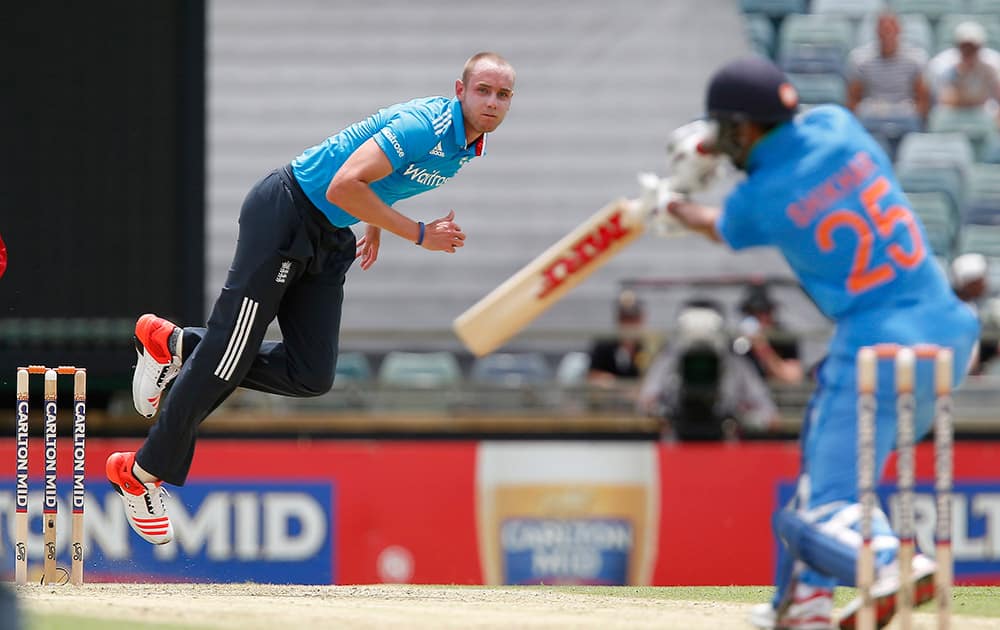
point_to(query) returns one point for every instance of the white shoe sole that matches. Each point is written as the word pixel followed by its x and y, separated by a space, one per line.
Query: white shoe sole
pixel 149 380
pixel 150 522
pixel 884 594
pixel 762 616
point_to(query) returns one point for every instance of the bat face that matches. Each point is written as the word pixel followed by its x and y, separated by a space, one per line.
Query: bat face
pixel 585 251
pixel 524 296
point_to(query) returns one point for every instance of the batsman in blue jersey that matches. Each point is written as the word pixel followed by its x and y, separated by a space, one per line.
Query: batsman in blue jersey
pixel 294 249
pixel 822 191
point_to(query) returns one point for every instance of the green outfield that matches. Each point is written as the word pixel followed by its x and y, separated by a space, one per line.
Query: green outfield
pixel 260 606
pixel 981 601
pixel 67 622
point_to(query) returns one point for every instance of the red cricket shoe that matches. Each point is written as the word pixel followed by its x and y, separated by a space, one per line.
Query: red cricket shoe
pixel 155 364
pixel 144 505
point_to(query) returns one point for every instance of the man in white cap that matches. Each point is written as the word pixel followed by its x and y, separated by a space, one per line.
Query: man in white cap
pixel 968 277
pixel 970 280
pixel 967 75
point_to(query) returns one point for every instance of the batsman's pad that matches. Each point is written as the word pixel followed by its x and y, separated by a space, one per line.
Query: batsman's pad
pixel 827 539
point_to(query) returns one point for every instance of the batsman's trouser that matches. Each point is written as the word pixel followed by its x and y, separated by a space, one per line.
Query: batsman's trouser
pixel 290 263
pixel 829 439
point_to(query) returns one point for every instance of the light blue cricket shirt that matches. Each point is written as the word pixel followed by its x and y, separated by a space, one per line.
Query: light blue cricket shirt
pixel 424 140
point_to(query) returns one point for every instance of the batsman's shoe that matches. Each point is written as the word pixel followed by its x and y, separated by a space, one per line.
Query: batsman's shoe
pixel 144 506
pixel 810 608
pixel 155 365
pixel 763 616
pixel 884 593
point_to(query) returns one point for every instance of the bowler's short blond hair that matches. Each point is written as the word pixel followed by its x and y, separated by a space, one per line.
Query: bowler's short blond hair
pixel 493 57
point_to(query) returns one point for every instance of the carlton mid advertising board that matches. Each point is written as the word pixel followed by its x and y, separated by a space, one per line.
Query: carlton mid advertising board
pixel 567 513
pixel 354 512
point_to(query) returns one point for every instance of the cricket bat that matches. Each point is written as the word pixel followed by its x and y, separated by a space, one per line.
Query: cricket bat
pixel 520 299
pixel 507 309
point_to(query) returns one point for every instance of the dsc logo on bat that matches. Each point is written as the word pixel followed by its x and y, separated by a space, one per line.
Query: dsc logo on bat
pixel 583 252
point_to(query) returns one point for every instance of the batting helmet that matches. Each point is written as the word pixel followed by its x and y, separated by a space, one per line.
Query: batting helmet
pixel 751 88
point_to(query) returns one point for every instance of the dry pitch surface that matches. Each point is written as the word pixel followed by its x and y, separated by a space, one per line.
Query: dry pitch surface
pixel 257 606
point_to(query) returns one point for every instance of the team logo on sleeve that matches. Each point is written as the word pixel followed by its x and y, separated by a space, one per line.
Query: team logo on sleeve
pixel 282 277
pixel 394 141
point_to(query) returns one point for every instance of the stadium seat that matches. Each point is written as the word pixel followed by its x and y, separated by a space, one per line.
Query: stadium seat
pixel 931 8
pixel 760 33
pixel 983 183
pixel 804 58
pixel 916 31
pixel 983 6
pixel 990 151
pixel 934 206
pixel 993 277
pixel 940 241
pixel 420 370
pixel 350 387
pixel 983 239
pixel 936 150
pixel 939 218
pixel 511 370
pixel 816 89
pixel 814 43
pixel 890 129
pixel 982 213
pixel 510 381
pixel 983 195
pixel 60 332
pixel 945 31
pixel 856 9
pixel 425 382
pixel 975 123
pixel 352 367
pixel 918 179
pixel 775 8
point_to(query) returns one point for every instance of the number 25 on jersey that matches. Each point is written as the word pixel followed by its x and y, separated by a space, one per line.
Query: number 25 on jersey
pixel 864 274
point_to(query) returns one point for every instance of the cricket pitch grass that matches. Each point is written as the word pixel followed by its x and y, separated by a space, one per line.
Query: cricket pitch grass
pixel 284 607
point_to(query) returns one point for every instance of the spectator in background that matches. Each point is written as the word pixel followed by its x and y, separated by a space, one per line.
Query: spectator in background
pixel 967 76
pixel 762 338
pixel 623 356
pixel 699 388
pixel 969 278
pixel 885 83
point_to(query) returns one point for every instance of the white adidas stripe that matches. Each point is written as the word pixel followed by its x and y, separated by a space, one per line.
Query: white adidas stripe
pixel 238 340
pixel 243 343
pixel 235 335
pixel 441 122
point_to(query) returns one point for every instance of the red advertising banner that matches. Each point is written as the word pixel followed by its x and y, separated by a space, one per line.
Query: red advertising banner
pixel 715 519
pixel 404 510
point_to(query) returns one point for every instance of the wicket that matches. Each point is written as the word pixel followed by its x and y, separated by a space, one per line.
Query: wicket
pixel 50 502
pixel 905 363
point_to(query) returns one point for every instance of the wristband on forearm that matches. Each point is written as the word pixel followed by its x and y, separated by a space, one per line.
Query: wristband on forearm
pixel 420 236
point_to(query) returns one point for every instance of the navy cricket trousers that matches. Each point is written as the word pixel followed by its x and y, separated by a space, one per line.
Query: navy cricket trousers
pixel 290 263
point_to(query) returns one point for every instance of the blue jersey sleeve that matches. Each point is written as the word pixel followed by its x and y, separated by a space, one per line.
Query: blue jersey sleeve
pixel 406 137
pixel 739 224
